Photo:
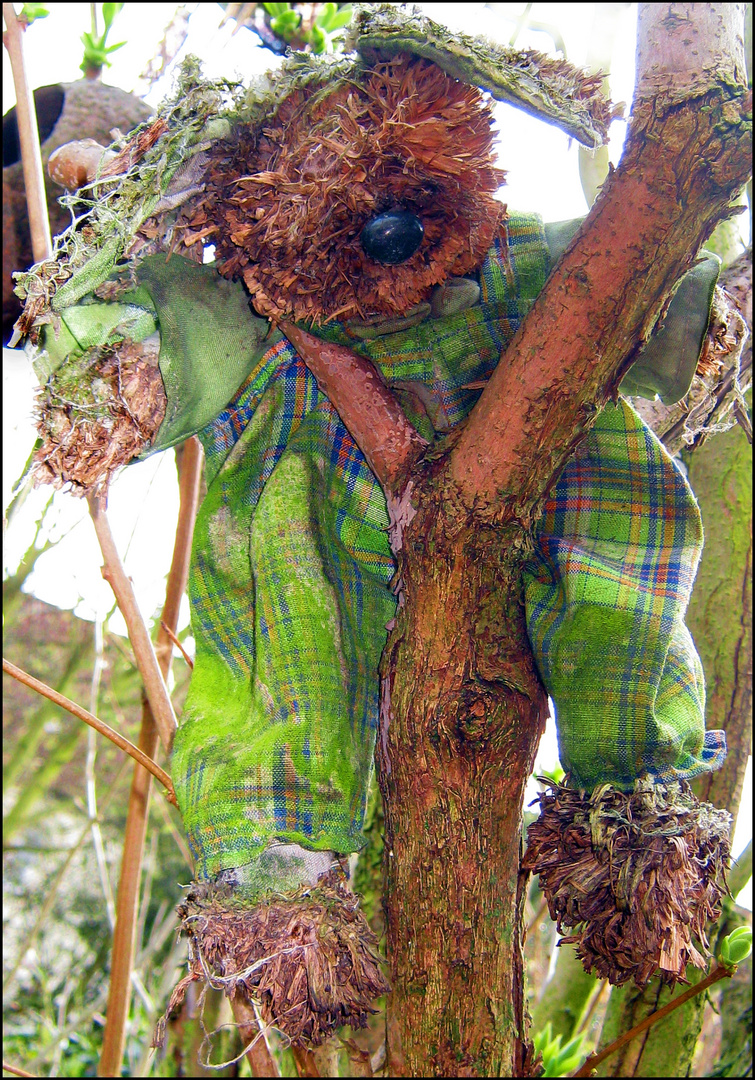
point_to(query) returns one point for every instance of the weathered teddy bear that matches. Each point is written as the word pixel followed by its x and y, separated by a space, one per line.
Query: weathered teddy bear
pixel 357 196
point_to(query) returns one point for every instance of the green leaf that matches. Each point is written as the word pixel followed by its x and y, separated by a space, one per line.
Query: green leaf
pixel 325 14
pixel 340 19
pixel 543 1037
pixel 736 947
pixel 286 25
pixel 275 10
pixel 318 39
pixel 558 1060
pixel 741 932
pixel 109 11
pixel 30 12
pixel 556 774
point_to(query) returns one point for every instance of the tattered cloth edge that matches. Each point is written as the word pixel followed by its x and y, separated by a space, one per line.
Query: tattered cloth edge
pixel 636 875
pixel 308 959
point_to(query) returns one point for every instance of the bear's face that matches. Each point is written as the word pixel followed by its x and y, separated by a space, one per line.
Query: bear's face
pixel 287 208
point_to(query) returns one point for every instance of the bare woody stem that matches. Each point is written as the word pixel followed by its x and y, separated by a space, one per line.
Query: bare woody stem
pixel 15 1071
pixel 258 1055
pixel 684 162
pixel 675 49
pixel 28 135
pixel 89 718
pixel 124 936
pixel 146 661
pixel 719 972
pixel 367 407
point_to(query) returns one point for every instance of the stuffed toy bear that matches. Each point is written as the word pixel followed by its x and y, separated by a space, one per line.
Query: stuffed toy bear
pixel 356 196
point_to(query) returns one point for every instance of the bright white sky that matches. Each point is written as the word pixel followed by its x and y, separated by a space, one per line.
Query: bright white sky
pixel 542 175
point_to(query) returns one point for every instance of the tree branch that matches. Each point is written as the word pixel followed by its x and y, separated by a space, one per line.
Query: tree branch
pixel 115 575
pixel 682 165
pixel 719 972
pixel 124 935
pixel 99 725
pixel 679 49
pixel 28 136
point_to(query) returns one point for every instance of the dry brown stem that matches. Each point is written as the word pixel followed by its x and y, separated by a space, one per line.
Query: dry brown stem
pixel 719 972
pixel 124 936
pixel 28 134
pixel 146 660
pixel 15 1071
pixel 258 1055
pixel 178 644
pixel 93 721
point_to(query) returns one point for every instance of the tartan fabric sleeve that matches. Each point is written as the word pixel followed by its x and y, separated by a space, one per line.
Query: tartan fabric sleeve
pixel 616 555
pixel 290 600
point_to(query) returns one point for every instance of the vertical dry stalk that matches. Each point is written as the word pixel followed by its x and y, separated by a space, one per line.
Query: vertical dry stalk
pixel 144 653
pixel 136 821
pixel 28 134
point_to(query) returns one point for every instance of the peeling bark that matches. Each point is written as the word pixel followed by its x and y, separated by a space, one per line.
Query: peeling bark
pixel 683 165
pixel 463 707
pixel 460 689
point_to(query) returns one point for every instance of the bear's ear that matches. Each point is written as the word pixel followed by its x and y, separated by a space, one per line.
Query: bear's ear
pixel 553 90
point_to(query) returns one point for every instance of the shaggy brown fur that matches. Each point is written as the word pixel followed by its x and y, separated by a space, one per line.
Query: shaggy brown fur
pixel 97 414
pixel 309 960
pixel 637 875
pixel 285 210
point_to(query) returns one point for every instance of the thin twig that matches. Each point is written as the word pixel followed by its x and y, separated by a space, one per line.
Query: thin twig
pixel 595 999
pixel 12 1068
pixel 719 972
pixel 28 137
pixel 104 729
pixel 542 907
pixel 178 644
pixel 89 773
pixel 124 937
pixel 146 660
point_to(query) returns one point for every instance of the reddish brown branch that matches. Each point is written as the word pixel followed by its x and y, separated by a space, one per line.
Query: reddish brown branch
pixel 367 407
pixel 258 1055
pixel 15 1071
pixel 99 725
pixel 124 936
pixel 683 165
pixel 175 641
pixel 146 660
pixel 28 136
pixel 719 972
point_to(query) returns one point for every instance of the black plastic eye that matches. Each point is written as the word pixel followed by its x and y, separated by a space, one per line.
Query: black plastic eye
pixel 392 237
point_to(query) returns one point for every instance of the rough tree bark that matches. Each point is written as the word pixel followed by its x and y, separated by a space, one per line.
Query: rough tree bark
pixel 463 708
